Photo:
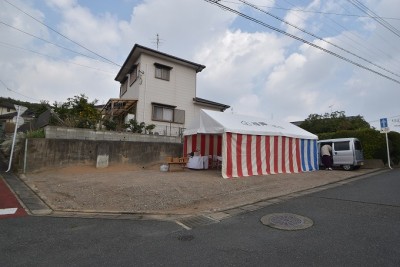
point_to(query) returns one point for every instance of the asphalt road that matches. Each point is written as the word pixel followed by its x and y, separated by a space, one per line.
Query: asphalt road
pixel 355 224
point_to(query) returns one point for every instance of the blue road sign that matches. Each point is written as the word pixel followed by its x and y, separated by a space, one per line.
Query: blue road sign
pixel 384 123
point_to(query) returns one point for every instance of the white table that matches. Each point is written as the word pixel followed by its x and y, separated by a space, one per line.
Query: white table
pixel 198 162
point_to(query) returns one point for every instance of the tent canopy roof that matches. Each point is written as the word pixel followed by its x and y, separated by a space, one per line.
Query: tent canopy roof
pixel 214 122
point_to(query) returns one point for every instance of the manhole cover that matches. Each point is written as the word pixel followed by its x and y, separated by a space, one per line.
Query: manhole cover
pixel 286 221
pixel 185 237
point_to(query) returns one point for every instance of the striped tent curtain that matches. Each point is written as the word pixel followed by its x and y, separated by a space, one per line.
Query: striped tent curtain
pixel 247 155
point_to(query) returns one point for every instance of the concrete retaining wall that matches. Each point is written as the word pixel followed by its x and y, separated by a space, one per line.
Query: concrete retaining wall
pixel 55 132
pixel 54 153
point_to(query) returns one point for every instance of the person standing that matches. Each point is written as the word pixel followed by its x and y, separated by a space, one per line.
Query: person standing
pixel 326 151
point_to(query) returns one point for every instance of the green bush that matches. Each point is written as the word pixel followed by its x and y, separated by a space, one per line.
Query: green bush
pixel 394 145
pixel 36 134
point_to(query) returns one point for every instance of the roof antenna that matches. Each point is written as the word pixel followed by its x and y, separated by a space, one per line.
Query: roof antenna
pixel 158 41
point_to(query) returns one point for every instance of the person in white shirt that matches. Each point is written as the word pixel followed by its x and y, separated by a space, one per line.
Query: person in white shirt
pixel 326 151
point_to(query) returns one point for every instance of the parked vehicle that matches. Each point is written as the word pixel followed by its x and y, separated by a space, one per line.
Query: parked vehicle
pixel 347 153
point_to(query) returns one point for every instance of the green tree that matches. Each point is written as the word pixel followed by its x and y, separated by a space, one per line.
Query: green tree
pixel 78 112
pixel 335 121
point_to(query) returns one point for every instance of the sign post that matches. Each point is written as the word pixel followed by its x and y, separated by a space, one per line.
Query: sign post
pixel 385 129
pixel 20 110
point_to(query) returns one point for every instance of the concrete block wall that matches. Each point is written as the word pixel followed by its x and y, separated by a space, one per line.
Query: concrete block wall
pixel 55 132
pixel 43 153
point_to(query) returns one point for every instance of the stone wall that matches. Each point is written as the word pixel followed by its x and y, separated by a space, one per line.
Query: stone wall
pixel 44 153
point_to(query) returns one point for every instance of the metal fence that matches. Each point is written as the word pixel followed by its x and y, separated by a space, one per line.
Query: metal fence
pixel 168 130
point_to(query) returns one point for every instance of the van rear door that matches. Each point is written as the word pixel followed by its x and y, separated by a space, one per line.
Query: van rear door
pixel 358 151
pixel 342 153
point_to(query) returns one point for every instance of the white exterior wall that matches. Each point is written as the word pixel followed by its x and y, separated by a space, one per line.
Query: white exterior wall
pixel 133 90
pixel 179 91
pixel 3 110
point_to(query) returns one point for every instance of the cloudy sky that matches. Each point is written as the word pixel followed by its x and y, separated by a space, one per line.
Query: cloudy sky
pixel 55 49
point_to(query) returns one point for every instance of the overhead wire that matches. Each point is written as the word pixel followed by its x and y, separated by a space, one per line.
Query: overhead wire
pixel 372 49
pixel 310 11
pixel 317 37
pixel 9 89
pixel 375 17
pixel 216 2
pixel 47 41
pixel 58 58
pixel 361 43
pixel 367 51
pixel 64 36
pixel 378 33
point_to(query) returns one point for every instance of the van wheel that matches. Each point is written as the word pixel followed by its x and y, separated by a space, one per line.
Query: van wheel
pixel 347 167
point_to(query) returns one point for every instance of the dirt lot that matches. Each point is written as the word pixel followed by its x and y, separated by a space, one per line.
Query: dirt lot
pixel 128 189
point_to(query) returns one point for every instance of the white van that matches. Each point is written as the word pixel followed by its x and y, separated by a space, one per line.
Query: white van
pixel 346 152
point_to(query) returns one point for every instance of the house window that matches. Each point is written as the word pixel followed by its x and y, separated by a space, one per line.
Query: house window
pixel 162 71
pixel 133 75
pixel 163 113
pixel 124 87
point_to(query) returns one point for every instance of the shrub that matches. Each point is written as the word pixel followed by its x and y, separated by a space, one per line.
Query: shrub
pixel 36 134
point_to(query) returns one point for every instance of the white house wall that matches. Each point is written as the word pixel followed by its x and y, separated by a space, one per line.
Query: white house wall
pixel 133 90
pixel 4 110
pixel 179 91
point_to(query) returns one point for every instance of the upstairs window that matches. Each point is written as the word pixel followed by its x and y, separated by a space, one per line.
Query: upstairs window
pixel 162 71
pixel 124 87
pixel 133 75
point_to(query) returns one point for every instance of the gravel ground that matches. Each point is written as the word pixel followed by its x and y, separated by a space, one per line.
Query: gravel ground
pixel 128 189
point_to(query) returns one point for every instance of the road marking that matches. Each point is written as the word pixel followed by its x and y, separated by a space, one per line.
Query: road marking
pixel 8 211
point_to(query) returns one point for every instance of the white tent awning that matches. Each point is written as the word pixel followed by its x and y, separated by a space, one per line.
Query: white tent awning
pixel 214 122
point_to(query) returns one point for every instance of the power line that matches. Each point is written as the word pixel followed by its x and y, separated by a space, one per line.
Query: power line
pixel 315 36
pixel 44 40
pixel 345 34
pixel 87 49
pixel 384 40
pixel 378 19
pixel 373 51
pixel 41 54
pixel 312 11
pixel 8 88
pixel 216 2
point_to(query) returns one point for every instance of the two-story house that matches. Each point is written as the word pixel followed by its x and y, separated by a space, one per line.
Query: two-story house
pixel 157 88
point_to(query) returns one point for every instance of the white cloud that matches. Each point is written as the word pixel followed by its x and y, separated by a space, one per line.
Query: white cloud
pixel 237 62
pixel 257 73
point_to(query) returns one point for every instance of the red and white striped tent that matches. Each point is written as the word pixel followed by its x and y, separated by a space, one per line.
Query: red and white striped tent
pixel 252 146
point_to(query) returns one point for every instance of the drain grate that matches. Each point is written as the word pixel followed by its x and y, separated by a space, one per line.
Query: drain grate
pixel 196 221
pixel 286 221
